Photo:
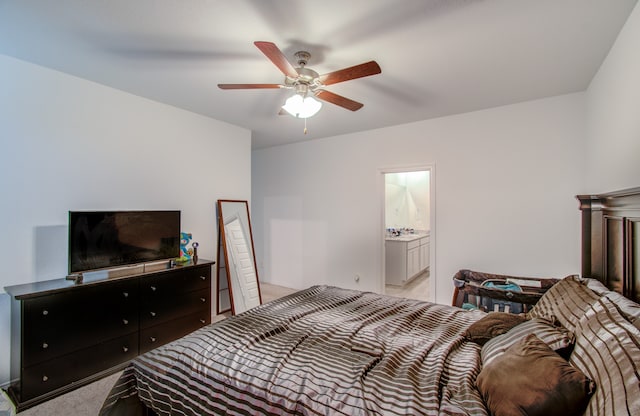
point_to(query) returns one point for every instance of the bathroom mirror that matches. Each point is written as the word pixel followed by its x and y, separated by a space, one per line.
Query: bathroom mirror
pixel 236 258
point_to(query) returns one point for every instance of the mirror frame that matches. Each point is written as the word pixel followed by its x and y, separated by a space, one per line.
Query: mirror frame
pixel 223 252
pixel 222 286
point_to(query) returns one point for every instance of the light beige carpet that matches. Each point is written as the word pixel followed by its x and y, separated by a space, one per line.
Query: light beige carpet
pixel 85 401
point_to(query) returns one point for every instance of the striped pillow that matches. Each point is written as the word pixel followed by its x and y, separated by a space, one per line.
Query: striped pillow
pixel 627 308
pixel 565 302
pixel 556 338
pixel 607 350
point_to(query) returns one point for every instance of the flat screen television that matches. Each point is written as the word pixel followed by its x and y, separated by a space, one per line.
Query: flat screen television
pixel 107 239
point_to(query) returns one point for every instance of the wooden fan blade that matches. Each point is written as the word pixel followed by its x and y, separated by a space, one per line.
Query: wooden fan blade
pixel 247 86
pixel 358 71
pixel 338 100
pixel 276 56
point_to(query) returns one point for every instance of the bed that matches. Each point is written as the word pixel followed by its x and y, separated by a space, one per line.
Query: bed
pixel 328 350
pixel 323 350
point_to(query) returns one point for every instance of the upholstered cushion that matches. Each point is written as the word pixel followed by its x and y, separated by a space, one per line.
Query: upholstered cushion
pixel 557 338
pixel 531 379
pixel 607 350
pixel 565 302
pixel 492 325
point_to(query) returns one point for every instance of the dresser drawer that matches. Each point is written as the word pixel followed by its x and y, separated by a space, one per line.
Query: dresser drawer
pixel 83 304
pixel 56 325
pixel 40 348
pixel 158 335
pixel 169 284
pixel 50 375
pixel 156 310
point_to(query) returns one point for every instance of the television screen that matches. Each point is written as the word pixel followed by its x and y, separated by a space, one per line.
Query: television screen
pixel 101 239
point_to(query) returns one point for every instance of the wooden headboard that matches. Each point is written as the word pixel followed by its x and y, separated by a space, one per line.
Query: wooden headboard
pixel 611 240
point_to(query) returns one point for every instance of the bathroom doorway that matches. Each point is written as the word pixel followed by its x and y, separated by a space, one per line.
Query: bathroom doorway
pixel 408 234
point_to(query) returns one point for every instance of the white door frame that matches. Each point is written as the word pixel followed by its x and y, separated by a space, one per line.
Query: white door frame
pixel 432 222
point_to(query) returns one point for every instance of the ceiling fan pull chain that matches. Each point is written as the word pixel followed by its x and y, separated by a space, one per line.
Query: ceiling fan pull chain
pixel 305 126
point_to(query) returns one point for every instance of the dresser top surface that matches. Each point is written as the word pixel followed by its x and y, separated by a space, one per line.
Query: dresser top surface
pixel 34 289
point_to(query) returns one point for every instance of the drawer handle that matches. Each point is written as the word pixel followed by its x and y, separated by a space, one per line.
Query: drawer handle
pixel 125 294
pixel 45 345
pixel 203 277
pixel 45 378
pixel 125 349
pixel 152 339
pixel 45 312
pixel 153 288
pixel 203 300
pixel 152 313
pixel 124 321
pixel 202 321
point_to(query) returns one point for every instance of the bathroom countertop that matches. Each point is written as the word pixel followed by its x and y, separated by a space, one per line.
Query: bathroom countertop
pixel 408 237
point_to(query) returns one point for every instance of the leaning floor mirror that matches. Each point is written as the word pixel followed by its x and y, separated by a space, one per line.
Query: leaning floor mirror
pixel 238 285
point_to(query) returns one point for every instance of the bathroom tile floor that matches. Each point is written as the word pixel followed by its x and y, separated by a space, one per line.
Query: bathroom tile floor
pixel 417 288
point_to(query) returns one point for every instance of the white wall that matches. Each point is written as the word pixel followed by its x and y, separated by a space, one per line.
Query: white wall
pixel 70 144
pixel 505 181
pixel 613 99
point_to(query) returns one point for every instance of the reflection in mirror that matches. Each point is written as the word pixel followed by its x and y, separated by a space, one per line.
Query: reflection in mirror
pixel 224 300
pixel 236 258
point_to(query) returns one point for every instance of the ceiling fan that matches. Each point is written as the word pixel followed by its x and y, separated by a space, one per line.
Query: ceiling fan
pixel 307 83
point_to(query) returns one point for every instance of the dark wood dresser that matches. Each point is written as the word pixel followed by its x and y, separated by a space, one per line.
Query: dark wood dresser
pixel 65 334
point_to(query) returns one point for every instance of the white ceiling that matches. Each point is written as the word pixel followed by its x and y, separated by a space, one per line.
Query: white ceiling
pixel 438 57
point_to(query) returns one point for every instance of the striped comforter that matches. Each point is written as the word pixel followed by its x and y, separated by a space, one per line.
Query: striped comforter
pixel 320 351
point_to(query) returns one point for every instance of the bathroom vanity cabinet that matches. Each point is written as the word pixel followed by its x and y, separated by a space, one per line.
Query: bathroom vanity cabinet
pixel 406 257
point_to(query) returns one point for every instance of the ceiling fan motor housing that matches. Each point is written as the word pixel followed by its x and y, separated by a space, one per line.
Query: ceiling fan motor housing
pixel 306 76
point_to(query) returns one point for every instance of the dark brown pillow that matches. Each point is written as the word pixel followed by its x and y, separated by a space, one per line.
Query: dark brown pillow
pixel 492 325
pixel 531 379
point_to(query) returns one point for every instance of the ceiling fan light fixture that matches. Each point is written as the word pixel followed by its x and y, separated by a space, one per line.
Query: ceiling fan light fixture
pixel 302 107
